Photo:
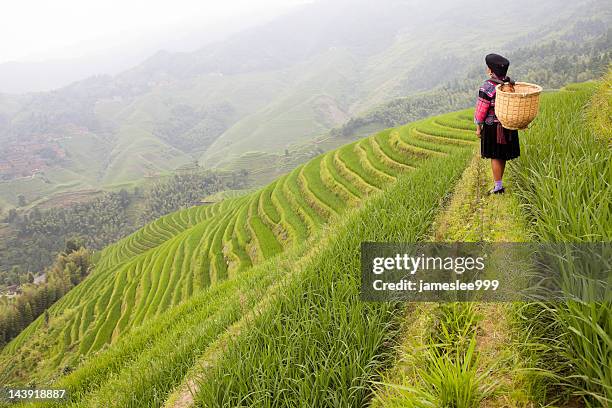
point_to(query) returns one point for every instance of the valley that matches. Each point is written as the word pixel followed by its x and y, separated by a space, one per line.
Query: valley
pixel 229 108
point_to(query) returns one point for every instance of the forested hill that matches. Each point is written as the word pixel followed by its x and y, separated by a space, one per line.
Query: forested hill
pixel 269 89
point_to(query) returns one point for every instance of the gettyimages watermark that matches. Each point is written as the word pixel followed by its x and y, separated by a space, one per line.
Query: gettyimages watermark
pixel 486 272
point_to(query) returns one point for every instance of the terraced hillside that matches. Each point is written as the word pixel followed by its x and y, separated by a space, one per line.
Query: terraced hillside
pixel 525 353
pixel 254 301
pixel 175 257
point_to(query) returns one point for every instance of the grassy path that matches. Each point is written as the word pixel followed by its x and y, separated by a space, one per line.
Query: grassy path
pixel 474 216
pixel 523 354
pixel 465 354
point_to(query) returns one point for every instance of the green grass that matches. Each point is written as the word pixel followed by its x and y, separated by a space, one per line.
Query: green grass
pixel 353 179
pixel 267 243
pixel 457 354
pixel 390 148
pixel 446 371
pixel 335 183
pixel 370 155
pixel 267 208
pixel 564 182
pixel 339 179
pixel 550 354
pixel 320 192
pixel 598 113
pixel 357 169
pixel 318 344
pixel 452 122
pixel 431 128
pixel 159 301
pixel 193 325
pixel 144 277
pixel 290 220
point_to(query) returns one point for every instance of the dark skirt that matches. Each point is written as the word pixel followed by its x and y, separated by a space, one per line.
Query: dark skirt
pixel 490 149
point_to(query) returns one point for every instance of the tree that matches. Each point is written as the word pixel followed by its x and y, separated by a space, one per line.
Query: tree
pixel 43 298
pixel 67 270
pixel 21 200
pixel 13 277
pixel 35 215
pixel 124 197
pixel 12 215
pixel 23 279
pixel 2 332
pixel 73 272
pixel 52 293
pixel 11 325
pixel 30 277
pixel 73 244
pixel 28 316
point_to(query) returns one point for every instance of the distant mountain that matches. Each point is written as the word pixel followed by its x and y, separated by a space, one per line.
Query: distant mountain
pixel 80 61
pixel 27 76
pixel 266 89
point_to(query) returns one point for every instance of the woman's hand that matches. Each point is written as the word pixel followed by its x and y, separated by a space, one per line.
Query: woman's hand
pixel 478 131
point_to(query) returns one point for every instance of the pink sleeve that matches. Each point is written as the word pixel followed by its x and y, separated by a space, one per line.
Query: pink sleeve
pixel 481 111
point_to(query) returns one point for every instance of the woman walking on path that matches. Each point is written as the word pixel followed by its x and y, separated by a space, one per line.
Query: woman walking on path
pixel 496 143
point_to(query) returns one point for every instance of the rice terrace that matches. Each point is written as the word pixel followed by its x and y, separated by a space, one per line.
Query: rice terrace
pixel 249 294
pixel 254 282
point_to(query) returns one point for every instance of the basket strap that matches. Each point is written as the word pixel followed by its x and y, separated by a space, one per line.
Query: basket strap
pixel 504 81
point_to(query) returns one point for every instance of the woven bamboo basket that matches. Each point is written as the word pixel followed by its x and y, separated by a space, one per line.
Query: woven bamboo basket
pixel 516 110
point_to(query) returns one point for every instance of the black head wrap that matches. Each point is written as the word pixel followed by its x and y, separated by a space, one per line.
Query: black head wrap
pixel 498 64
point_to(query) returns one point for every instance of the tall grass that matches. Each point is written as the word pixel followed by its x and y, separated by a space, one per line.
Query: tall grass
pixel 139 291
pixel 445 369
pixel 142 368
pixel 564 180
pixel 318 344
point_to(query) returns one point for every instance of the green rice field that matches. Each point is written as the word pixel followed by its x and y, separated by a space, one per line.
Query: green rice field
pixel 253 300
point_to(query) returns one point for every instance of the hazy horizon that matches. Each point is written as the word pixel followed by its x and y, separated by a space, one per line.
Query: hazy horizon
pixel 45 53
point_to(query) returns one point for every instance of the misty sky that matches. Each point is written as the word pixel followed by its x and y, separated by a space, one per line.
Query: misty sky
pixel 41 29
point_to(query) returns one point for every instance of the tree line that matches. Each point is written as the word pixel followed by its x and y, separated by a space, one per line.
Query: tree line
pixel 187 188
pixel 41 235
pixel 70 267
pixel 36 236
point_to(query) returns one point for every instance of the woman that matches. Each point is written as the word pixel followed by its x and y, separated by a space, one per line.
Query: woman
pixel 496 143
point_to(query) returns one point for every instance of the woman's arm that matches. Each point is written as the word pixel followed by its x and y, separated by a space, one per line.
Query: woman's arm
pixel 481 111
pixel 482 108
